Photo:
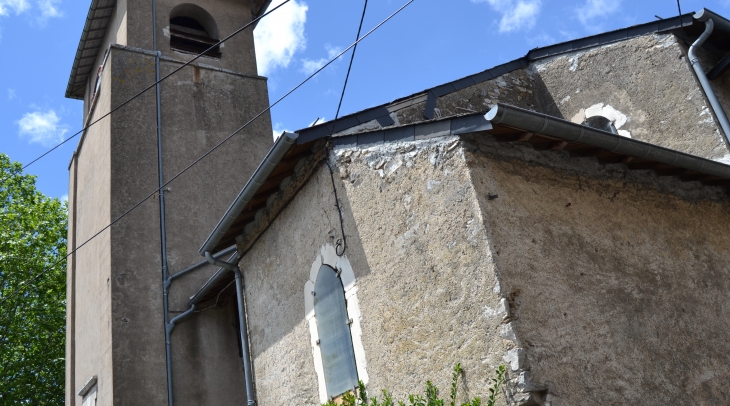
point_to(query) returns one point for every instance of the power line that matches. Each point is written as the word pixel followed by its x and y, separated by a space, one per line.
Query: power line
pixel 679 8
pixel 81 131
pixel 38 275
pixel 337 115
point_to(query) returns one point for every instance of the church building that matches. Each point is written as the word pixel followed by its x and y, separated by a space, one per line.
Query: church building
pixel 565 214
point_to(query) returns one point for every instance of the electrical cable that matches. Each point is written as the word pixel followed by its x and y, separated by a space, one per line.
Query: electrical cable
pixel 81 131
pixel 679 8
pixel 217 298
pixel 681 32
pixel 38 275
pixel 343 241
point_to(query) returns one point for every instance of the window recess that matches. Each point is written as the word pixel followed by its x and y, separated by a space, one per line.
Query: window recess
pixel 333 327
pixel 188 35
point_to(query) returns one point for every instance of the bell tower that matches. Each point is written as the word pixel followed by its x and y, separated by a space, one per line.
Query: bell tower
pixel 122 291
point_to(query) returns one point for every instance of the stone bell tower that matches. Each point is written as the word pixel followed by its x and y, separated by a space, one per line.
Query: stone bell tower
pixel 116 328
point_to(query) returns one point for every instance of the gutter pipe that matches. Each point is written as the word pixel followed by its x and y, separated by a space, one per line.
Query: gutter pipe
pixel 247 372
pixel 196 298
pixel 168 324
pixel 711 20
pixel 539 123
pixel 200 264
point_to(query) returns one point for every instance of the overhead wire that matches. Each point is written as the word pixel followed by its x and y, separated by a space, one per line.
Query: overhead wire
pixel 153 85
pixel 343 241
pixel 679 8
pixel 38 275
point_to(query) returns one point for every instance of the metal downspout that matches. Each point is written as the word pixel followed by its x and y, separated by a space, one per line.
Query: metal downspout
pixel 704 82
pixel 168 324
pixel 247 372
pixel 72 300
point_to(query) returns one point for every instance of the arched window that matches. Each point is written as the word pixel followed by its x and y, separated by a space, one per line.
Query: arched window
pixel 333 328
pixel 193 30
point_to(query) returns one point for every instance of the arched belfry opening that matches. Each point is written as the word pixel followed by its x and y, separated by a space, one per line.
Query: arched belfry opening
pixel 193 30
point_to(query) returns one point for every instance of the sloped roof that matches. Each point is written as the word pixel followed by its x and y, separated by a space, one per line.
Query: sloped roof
pixel 685 22
pixel 505 123
pixel 97 22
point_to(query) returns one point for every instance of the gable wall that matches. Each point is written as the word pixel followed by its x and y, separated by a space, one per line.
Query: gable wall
pixel 617 280
pixel 647 79
pixel 424 277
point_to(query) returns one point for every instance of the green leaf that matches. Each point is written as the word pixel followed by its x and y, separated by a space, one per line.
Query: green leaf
pixel 32 311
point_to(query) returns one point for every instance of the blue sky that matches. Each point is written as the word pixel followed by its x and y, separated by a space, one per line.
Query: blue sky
pixel 429 43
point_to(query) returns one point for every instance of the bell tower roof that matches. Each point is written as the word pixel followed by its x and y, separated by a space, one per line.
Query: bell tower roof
pixel 93 37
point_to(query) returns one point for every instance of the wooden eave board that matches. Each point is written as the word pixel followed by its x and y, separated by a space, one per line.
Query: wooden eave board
pixel 284 169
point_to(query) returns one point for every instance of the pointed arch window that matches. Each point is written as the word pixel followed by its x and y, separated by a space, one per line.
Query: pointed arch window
pixel 333 328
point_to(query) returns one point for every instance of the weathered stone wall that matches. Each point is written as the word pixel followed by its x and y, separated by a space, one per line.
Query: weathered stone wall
pixel 119 328
pixel 89 338
pixel 649 81
pixel 617 280
pixel 201 106
pixel 425 280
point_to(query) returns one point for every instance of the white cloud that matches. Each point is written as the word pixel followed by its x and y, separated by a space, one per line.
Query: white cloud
pixel 15 6
pixel 42 128
pixel 592 12
pixel 541 40
pixel 43 10
pixel 310 66
pixel 516 14
pixel 48 9
pixel 278 130
pixel 64 198
pixel 11 94
pixel 280 35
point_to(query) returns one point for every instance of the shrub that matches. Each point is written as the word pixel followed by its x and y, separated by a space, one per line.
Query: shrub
pixel 429 398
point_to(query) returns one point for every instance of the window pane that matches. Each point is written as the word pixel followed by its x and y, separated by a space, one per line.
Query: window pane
pixel 335 342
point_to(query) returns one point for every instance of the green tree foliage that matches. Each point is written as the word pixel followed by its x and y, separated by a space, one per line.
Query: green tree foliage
pixel 32 310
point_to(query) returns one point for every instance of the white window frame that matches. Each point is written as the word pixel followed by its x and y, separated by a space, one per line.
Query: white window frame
pixel 328 256
pixel 88 392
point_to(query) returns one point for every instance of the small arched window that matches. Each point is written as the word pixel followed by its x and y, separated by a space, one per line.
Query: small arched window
pixel 333 327
pixel 193 30
pixel 601 123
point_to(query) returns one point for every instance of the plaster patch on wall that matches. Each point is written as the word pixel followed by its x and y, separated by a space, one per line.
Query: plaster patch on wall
pixel 432 184
pixel 708 120
pixel 500 310
pixel 665 41
pixel 573 63
pixel 617 118
pixel 724 159
pixel 387 158
pixel 508 332
pixel 515 358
